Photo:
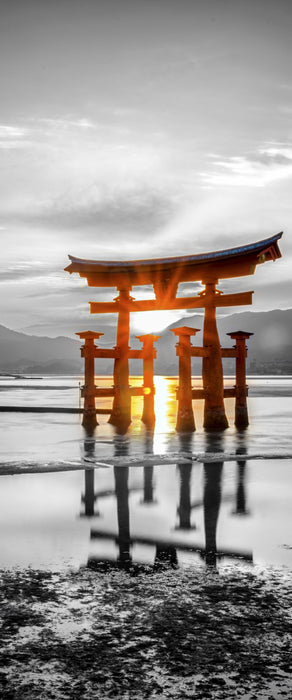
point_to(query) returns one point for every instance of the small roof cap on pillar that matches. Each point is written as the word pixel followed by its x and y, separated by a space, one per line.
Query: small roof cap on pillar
pixel 185 330
pixel 89 334
pixel 148 336
pixel 240 334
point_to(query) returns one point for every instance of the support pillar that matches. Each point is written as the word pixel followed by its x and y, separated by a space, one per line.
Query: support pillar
pixel 241 390
pixel 88 390
pixel 121 413
pixel 148 354
pixel 214 411
pixel 185 417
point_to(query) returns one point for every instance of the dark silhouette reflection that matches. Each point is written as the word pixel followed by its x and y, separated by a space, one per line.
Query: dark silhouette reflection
pixel 165 557
pixel 121 491
pixel 212 501
pixel 167 547
pixel 185 472
pixel 148 485
pixel 148 493
pixel 122 495
pixel 212 498
pixel 240 506
pixel 89 497
pixel 121 475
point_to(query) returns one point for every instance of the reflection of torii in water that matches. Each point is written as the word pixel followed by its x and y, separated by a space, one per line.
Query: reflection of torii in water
pixel 212 497
pixel 91 496
pixel 121 491
pixel 241 508
pixel 166 550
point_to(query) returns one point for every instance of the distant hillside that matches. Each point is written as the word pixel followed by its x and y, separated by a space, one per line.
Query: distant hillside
pixel 20 353
pixel 269 349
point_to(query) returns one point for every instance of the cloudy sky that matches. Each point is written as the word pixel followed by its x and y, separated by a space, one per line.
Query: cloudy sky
pixel 139 128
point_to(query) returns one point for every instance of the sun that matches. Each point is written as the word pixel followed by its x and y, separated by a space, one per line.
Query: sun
pixel 153 321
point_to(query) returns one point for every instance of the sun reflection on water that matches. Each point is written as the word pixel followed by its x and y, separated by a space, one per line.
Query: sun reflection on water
pixel 165 411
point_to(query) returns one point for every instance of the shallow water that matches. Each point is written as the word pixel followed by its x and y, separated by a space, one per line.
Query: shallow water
pixel 171 514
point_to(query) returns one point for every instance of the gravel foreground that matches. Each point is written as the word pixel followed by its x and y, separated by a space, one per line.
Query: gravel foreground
pixel 191 633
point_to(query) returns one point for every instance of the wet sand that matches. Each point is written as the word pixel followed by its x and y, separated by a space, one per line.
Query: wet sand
pixel 146 633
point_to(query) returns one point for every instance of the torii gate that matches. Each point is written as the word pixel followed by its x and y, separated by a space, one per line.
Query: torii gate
pixel 165 274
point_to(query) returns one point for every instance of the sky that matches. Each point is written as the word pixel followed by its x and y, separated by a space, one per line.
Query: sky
pixel 139 128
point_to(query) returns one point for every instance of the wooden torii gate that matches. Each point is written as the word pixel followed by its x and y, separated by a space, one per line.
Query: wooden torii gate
pixel 165 274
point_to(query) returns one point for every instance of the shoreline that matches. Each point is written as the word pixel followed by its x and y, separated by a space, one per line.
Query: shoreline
pixel 14 468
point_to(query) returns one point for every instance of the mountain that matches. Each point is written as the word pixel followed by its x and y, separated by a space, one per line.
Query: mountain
pixel 269 349
pixel 21 353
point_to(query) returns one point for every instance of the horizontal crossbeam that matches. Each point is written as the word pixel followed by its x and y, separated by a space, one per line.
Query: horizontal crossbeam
pixel 48 409
pixel 105 392
pixel 106 352
pixel 199 352
pixel 229 352
pixel 228 393
pixel 197 302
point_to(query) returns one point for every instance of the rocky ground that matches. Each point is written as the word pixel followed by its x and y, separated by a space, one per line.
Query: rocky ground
pixel 140 634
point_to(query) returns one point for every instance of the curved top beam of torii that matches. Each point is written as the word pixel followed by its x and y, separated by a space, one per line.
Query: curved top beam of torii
pixel 165 272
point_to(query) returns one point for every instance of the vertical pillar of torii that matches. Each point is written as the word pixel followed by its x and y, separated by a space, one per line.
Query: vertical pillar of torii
pixel 148 354
pixel 88 390
pixel 212 370
pixel 241 390
pixel 121 412
pixel 185 417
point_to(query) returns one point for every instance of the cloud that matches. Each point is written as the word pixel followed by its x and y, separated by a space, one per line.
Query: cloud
pixel 82 123
pixel 127 212
pixel 9 131
pixel 98 179
pixel 24 271
pixel 12 136
pixel 269 164
pixel 278 151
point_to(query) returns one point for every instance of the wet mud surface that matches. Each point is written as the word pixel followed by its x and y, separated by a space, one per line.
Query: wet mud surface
pixel 192 633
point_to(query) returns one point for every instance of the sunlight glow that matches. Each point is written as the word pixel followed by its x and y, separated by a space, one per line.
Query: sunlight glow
pixel 154 321
pixel 165 411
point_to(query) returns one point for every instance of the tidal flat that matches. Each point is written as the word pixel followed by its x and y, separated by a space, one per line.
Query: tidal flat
pixel 146 634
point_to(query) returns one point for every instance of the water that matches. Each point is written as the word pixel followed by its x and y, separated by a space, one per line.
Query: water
pixel 227 512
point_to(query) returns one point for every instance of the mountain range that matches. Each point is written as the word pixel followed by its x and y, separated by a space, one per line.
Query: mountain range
pixel 269 349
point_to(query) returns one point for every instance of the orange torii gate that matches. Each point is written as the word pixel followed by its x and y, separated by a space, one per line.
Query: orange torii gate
pixel 165 274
